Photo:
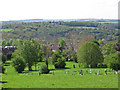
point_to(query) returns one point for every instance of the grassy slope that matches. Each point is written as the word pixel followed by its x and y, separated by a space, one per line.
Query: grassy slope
pixel 60 79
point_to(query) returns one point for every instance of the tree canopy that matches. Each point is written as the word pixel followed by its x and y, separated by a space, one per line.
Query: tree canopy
pixel 89 54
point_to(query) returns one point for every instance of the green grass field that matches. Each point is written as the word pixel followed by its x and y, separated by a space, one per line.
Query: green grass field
pixel 108 22
pixel 6 30
pixel 85 27
pixel 61 79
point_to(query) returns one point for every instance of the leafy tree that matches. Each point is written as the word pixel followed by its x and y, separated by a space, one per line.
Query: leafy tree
pixel 62 43
pixel 58 59
pixel 70 55
pixel 113 61
pixel 95 41
pixel 30 53
pixel 56 55
pixel 89 54
pixel 19 64
pixel 44 69
pixel 36 49
pixel 60 63
pixel 108 49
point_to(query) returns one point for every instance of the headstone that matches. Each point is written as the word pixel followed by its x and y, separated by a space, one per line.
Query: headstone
pixel 39 73
pixel 66 72
pixel 98 72
pixel 90 71
pixel 105 72
pixel 119 71
pixel 53 73
pixel 113 71
pixel 73 66
pixel 80 72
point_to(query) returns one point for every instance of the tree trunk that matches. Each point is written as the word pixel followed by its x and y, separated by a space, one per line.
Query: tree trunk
pixel 35 66
pixel 29 67
pixel 46 62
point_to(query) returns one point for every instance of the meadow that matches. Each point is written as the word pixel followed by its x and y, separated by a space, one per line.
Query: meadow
pixel 62 78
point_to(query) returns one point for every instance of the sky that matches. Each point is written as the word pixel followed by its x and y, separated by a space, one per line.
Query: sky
pixel 58 9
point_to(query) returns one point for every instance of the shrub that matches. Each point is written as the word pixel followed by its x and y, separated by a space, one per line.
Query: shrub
pixel 115 66
pixel 19 64
pixel 44 69
pixel 60 63
pixel 100 65
pixel 74 58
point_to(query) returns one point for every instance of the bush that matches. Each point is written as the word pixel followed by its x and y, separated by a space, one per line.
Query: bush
pixel 74 58
pixel 60 63
pixel 44 69
pixel 100 65
pixel 115 66
pixel 19 64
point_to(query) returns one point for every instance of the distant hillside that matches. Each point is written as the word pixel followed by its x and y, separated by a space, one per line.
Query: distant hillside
pixel 52 31
pixel 65 20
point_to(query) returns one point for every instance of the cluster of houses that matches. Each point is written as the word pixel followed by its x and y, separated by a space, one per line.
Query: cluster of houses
pixel 7 49
pixel 117 47
pixel 10 49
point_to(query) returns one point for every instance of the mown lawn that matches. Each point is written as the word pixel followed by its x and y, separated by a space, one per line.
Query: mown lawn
pixel 61 79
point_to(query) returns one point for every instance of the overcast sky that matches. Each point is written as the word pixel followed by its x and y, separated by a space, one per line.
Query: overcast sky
pixel 58 9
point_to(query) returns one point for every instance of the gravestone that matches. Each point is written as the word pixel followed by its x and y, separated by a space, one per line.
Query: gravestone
pixel 39 73
pixel 98 72
pixel 80 72
pixel 90 71
pixel 113 71
pixel 66 72
pixel 73 66
pixel 53 73
pixel 105 72
pixel 119 71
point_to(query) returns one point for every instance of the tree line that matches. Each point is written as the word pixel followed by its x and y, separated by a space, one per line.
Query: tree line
pixel 90 54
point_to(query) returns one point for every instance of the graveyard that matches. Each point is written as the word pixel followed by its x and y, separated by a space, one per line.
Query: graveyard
pixel 60 54
pixel 62 78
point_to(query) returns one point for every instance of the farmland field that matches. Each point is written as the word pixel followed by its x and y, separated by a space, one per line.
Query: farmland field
pixel 85 27
pixel 61 79
pixel 6 30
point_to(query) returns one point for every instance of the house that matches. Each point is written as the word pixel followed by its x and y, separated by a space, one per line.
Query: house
pixel 8 49
pixel 117 47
